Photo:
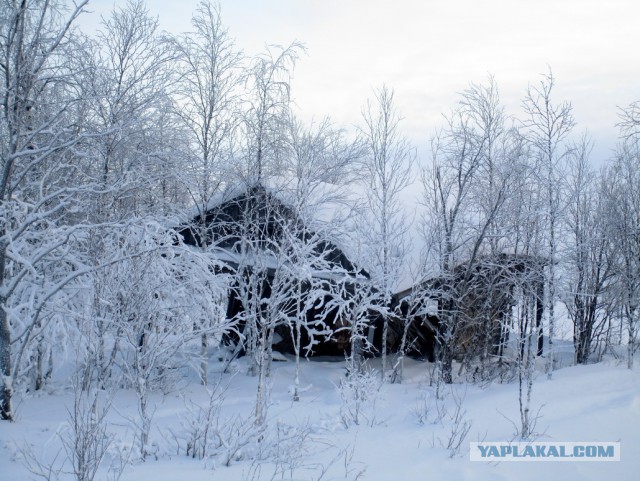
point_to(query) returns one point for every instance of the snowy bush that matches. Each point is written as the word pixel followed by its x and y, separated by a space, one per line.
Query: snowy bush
pixel 200 422
pixel 87 444
pixel 359 392
pixel 432 409
pixel 295 452
pixel 206 434
pixel 86 440
pixel 429 408
pixel 459 425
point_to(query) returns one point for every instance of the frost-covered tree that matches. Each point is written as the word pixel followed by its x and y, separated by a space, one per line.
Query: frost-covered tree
pixel 623 214
pixel 266 111
pixel 547 126
pixel 466 189
pixel 355 302
pixel 526 333
pixel 319 164
pixel 39 180
pixel 387 166
pixel 129 79
pixel 588 256
pixel 207 104
pixel 131 154
pixel 159 298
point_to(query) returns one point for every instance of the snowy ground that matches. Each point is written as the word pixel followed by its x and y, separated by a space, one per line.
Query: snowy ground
pixel 599 402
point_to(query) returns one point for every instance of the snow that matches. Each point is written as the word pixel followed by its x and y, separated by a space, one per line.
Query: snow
pixel 598 402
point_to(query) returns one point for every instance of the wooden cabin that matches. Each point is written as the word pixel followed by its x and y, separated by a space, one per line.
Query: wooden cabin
pixel 255 234
pixel 479 298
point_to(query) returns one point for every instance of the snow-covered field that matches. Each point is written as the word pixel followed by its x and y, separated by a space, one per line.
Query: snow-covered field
pixel 401 436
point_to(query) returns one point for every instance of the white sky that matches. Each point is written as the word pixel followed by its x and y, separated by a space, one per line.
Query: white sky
pixel 429 50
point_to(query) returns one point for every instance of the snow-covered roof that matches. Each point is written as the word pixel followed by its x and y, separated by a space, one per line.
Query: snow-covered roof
pixel 222 209
pixel 269 261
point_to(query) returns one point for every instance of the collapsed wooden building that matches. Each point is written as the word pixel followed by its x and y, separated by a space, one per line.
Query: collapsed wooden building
pixel 283 270
pixel 470 311
pixel 255 236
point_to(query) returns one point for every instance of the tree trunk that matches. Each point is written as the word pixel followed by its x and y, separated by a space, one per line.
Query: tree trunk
pixel 552 318
pixel 448 341
pixel 385 334
pixel 356 348
pixel 539 313
pixel 260 392
pixel 6 392
pixel 269 348
pixel 447 366
pixel 632 341
pixel 204 359
pixel 398 369
pixel 40 355
pixel 297 342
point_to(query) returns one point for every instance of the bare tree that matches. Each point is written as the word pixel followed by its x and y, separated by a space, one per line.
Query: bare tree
pixel 623 212
pixel 589 255
pixel 525 333
pixel 129 84
pixel 355 301
pixel 207 102
pixel 175 290
pixel 630 121
pixel 463 213
pixel 36 177
pixel 87 439
pixel 207 105
pixel 500 155
pixel 128 79
pixel 318 167
pixel 388 172
pixel 547 126
pixel 268 82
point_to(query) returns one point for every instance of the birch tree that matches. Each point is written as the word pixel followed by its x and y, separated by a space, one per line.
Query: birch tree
pixel 623 212
pixel 387 165
pixel 527 309
pixel 547 126
pixel 207 106
pixel 128 79
pixel 463 213
pixel 37 179
pixel 207 103
pixel 266 115
pixel 319 164
pixel 129 83
pixel 589 254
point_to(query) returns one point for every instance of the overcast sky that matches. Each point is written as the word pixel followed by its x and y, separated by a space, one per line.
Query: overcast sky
pixel 429 50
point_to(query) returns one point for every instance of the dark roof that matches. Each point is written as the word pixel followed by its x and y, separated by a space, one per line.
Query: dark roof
pixel 490 267
pixel 259 215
